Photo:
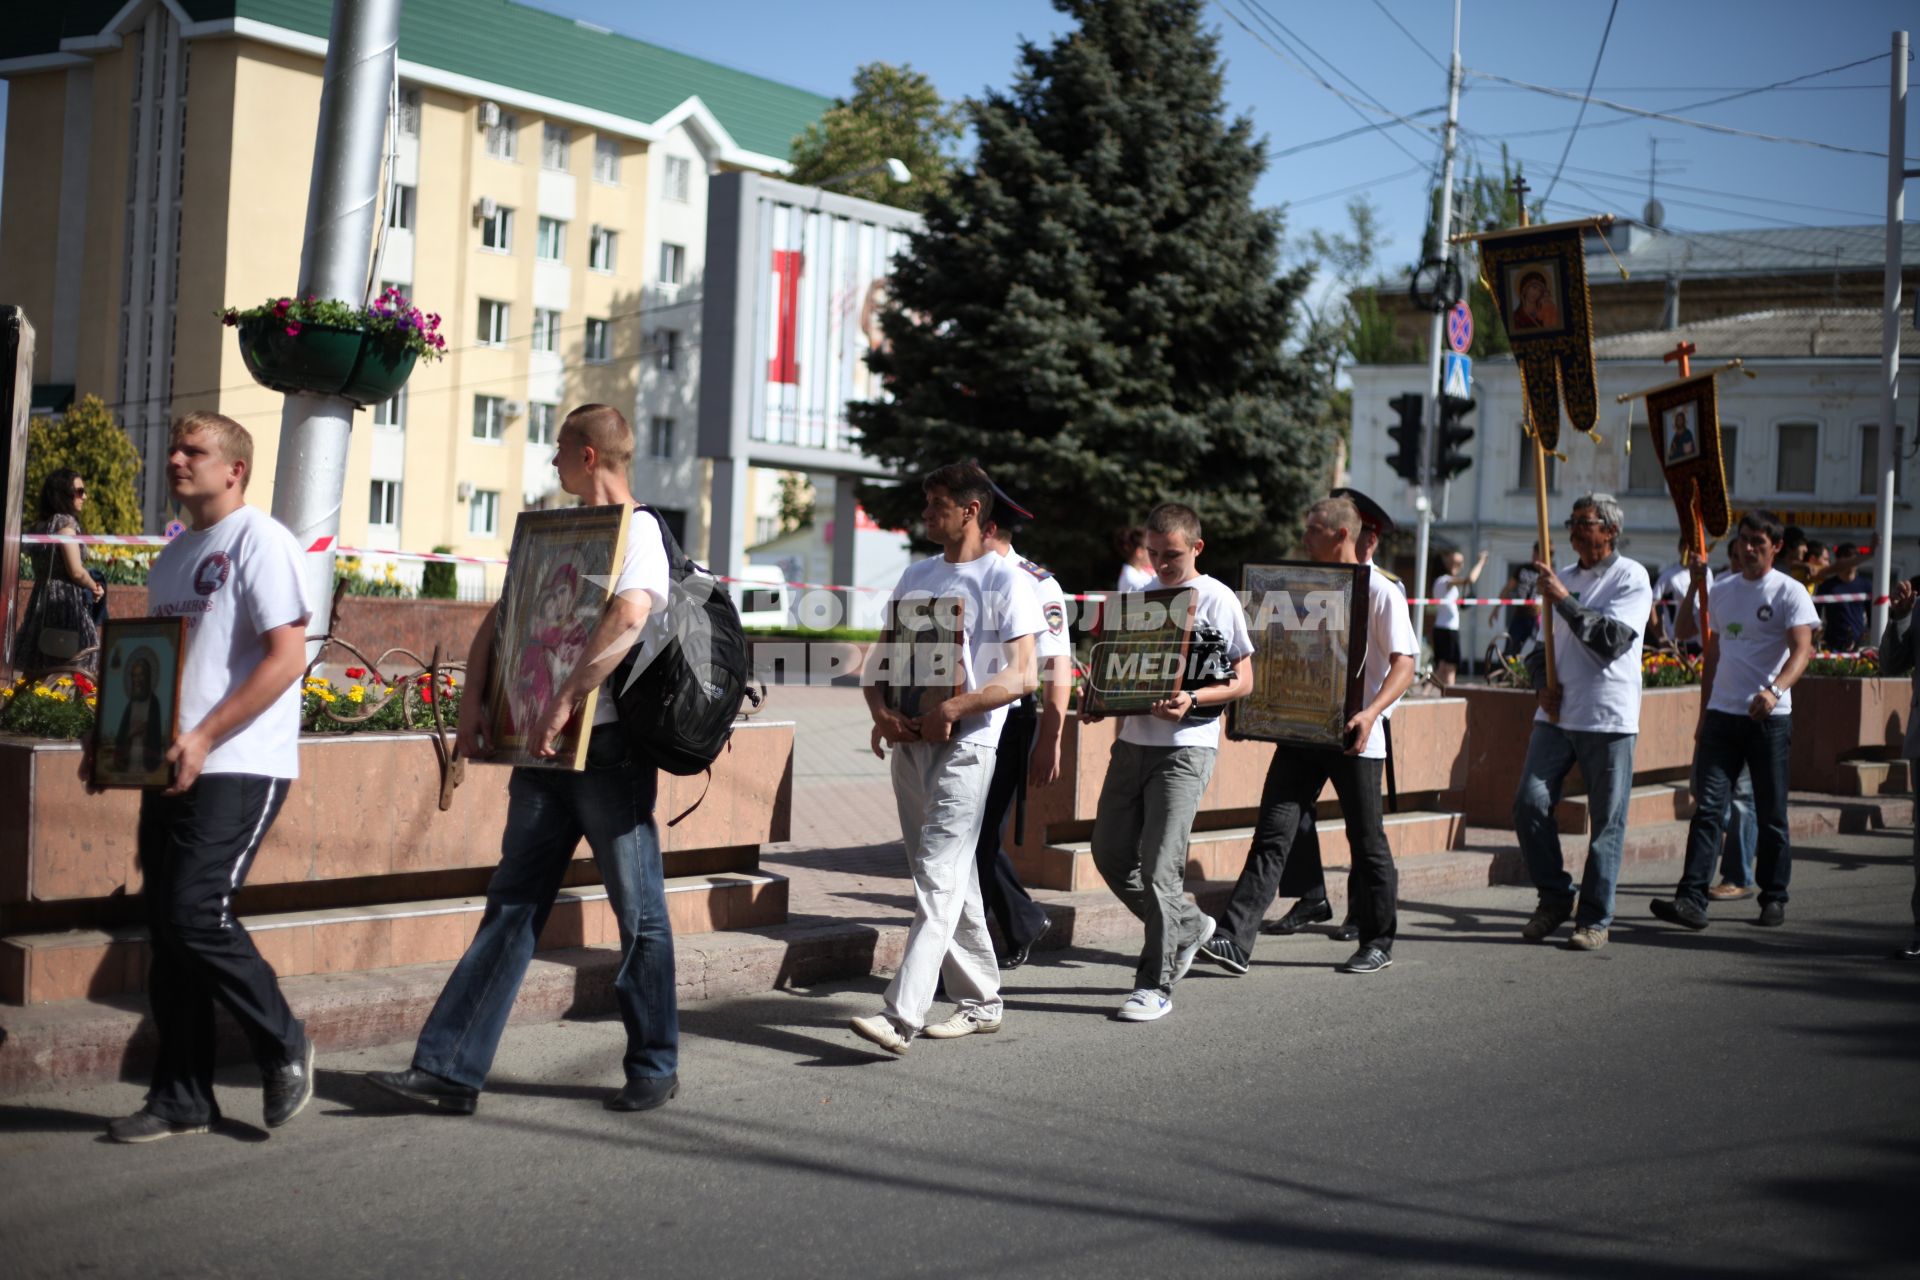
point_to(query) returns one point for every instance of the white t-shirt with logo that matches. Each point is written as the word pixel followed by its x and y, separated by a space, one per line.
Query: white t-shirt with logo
pixel 233 583
pixel 1133 578
pixel 1750 621
pixel 1389 631
pixel 643 567
pixel 999 605
pixel 1055 641
pixel 1446 613
pixel 1215 606
pixel 1597 696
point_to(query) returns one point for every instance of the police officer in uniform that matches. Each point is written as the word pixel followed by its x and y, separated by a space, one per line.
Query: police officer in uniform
pixel 1303 876
pixel 1029 750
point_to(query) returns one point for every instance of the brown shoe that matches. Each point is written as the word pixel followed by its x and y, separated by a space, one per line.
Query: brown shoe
pixel 1724 891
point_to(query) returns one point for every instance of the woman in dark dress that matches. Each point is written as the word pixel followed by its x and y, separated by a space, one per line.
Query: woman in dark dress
pixel 60 619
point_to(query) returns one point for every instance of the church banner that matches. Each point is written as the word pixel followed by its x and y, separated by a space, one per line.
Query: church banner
pixel 1538 279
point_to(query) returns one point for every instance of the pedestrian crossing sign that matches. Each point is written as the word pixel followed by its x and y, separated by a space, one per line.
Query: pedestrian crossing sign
pixel 1457 380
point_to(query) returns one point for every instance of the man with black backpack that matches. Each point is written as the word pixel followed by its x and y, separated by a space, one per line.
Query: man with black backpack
pixel 610 803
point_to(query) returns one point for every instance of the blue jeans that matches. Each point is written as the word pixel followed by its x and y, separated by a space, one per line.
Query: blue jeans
pixel 548 811
pixel 1743 831
pixel 1606 762
pixel 1729 743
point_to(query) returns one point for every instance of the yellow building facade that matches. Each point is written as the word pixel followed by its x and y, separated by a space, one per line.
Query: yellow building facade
pixel 157 170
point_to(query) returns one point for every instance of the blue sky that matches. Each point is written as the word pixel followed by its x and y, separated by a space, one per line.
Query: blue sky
pixel 1658 56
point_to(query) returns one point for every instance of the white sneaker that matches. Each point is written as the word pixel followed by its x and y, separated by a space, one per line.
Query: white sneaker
pixel 880 1029
pixel 1146 1005
pixel 1184 961
pixel 965 1022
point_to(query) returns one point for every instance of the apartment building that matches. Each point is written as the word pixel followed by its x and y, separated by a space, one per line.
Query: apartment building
pixel 547 199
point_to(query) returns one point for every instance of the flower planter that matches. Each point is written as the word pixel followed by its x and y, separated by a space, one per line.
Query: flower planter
pixel 1838 720
pixel 325 360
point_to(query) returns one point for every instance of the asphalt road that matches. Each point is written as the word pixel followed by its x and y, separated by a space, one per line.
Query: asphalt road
pixel 1737 1102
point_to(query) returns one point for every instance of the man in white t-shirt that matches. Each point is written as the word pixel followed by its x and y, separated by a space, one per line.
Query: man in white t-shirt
pixel 1028 753
pixel 944 751
pixel 235 575
pixel 1161 764
pixel 1591 718
pixel 549 811
pixel 1762 638
pixel 1447 590
pixel 1297 773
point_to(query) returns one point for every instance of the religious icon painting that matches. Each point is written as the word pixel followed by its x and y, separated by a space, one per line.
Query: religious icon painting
pixel 923 659
pixel 137 703
pixel 1686 439
pixel 1308 623
pixel 560 572
pixel 1538 277
pixel 1143 652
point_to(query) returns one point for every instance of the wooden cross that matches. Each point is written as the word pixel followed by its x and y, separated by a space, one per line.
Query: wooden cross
pixel 1520 189
pixel 1680 353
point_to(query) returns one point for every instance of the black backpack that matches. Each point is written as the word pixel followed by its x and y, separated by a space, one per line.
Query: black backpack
pixel 678 711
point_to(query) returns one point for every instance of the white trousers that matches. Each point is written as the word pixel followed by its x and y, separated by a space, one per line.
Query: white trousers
pixel 941 789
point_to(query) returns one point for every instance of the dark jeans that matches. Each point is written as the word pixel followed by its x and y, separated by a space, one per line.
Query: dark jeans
pixel 1727 744
pixel 1020 919
pixel 1294 780
pixel 610 803
pixel 195 850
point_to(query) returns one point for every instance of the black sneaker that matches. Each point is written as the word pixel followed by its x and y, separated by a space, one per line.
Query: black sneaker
pixel 1772 914
pixel 1226 953
pixel 144 1126
pixel 1680 913
pixel 1304 913
pixel 289 1088
pixel 1367 960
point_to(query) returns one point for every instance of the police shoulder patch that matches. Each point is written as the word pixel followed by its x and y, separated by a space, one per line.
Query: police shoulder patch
pixel 1056 615
pixel 1039 571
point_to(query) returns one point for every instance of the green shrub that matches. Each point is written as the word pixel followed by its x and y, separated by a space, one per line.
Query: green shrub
pixel 436 578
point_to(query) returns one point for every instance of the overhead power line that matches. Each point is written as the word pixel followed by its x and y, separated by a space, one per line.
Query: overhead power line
pixel 1425 52
pixel 1586 97
pixel 1342 137
pixel 1358 186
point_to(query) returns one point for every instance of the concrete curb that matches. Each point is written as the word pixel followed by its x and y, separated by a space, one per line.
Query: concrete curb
pixel 79 1042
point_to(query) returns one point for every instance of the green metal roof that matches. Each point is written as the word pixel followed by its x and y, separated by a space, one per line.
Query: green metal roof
pixel 506 44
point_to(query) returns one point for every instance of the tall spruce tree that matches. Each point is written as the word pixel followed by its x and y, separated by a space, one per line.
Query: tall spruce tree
pixel 1094 309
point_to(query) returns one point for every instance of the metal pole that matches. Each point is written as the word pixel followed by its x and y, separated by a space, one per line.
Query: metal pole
pixel 1890 331
pixel 1428 442
pixel 342 202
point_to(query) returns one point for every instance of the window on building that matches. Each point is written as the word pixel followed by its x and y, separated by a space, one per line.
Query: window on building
pixel 483 513
pixel 383 505
pixel 546 329
pixel 679 178
pixel 660 438
pixel 673 263
pixel 400 209
pixel 601 248
pixel 1796 462
pixel 668 342
pixel 409 113
pixel 606 161
pixel 543 423
pixel 555 141
pixel 599 346
pixel 489 417
pixel 1643 466
pixel 496 230
pixel 503 139
pixel 493 323
pixel 551 243
pixel 1870 458
pixel 765 529
pixel 1524 480
pixel 392 413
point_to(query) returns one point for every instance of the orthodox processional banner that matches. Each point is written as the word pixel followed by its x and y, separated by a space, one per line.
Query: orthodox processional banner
pixel 1538 279
pixel 1685 425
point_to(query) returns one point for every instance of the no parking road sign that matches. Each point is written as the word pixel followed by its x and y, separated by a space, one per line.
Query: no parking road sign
pixel 1460 327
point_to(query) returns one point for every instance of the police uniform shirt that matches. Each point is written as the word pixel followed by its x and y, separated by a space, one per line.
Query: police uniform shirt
pixel 1055 641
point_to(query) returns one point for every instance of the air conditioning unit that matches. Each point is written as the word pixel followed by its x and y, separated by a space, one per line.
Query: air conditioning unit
pixel 463 490
pixel 484 208
pixel 489 115
pixel 514 408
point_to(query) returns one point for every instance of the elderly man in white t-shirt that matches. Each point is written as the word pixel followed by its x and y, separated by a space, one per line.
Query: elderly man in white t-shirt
pixel 1762 638
pixel 1591 718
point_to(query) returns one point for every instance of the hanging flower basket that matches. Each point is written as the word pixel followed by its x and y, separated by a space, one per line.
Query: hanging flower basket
pixel 328 348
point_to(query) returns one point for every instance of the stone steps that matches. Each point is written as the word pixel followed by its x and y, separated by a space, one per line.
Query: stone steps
pixel 38 968
pixel 1876 777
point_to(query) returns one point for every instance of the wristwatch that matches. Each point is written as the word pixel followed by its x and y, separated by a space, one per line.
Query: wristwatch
pixel 1777 692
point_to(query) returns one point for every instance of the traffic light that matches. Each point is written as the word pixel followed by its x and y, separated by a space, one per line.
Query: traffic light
pixel 1448 460
pixel 1406 463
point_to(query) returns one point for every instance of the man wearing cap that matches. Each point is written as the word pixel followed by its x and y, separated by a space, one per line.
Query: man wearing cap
pixel 1029 744
pixel 1304 876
